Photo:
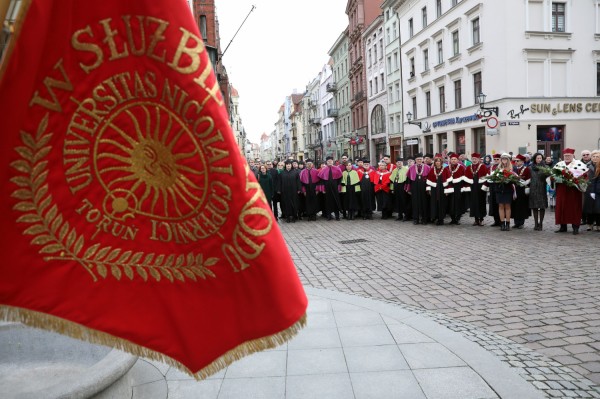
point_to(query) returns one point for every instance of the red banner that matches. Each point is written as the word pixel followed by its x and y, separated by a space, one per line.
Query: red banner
pixel 129 217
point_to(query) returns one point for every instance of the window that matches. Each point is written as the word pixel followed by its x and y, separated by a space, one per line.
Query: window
pixel 369 55
pixel 381 47
pixel 394 33
pixel 438 8
pixel 387 34
pixel 398 93
pixel 428 102
pixel 378 120
pixel 598 79
pixel 558 17
pixel 426 60
pixel 392 124
pixel 440 50
pixel 382 82
pixel 376 86
pixel 455 43
pixel 476 86
pixel 396 63
pixel 424 16
pixel 390 95
pixel 457 94
pixel 203 27
pixel 414 107
pixel 375 53
pixel 389 64
pixel 475 26
pixel 454 2
pixel 412 67
pixel 411 30
pixel 442 90
pixel 370 87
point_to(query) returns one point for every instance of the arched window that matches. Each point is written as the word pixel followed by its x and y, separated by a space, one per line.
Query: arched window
pixel 377 120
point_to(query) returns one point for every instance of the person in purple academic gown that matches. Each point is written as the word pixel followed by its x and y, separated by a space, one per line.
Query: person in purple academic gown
pixel 331 177
pixel 309 177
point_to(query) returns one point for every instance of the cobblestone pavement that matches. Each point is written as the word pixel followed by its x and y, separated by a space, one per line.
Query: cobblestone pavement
pixel 533 298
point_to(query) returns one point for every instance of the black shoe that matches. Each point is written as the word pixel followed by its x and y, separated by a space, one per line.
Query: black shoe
pixel 507 224
pixel 575 231
pixel 518 226
pixel 503 226
pixel 561 230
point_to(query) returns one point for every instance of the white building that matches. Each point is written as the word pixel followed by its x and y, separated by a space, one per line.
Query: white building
pixel 393 68
pixel 311 116
pixel 536 60
pixel 327 103
pixel 341 89
pixel 373 38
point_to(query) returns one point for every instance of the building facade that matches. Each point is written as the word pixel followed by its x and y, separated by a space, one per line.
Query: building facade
pixel 361 13
pixel 313 135
pixel 326 105
pixel 393 68
pixel 377 105
pixel 297 126
pixel 340 87
pixel 535 73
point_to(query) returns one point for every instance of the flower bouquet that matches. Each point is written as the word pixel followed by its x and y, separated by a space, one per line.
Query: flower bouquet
pixel 504 177
pixel 574 179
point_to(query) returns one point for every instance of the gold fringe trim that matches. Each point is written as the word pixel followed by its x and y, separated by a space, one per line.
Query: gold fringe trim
pixel 74 330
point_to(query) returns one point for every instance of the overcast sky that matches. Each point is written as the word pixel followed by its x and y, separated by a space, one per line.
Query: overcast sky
pixel 282 46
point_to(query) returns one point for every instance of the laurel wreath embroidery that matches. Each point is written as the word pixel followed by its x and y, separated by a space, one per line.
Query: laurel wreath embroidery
pixel 60 241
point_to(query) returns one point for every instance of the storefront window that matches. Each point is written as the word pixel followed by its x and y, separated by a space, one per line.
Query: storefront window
pixel 479 140
pixel 459 146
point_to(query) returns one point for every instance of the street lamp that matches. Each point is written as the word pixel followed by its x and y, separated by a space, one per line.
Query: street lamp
pixel 481 97
pixel 409 119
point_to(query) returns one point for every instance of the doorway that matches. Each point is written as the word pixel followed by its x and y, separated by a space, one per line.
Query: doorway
pixel 550 141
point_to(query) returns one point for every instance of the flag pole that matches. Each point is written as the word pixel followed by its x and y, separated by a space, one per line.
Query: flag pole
pixel 4 4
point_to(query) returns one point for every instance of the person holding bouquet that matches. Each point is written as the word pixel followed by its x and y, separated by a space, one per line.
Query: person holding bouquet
pixel 538 197
pixel 505 190
pixel 591 201
pixel 520 206
pixel 567 176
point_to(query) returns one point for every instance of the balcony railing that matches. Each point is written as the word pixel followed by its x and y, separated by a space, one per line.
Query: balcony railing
pixel 333 112
pixel 314 121
pixel 359 96
pixel 331 87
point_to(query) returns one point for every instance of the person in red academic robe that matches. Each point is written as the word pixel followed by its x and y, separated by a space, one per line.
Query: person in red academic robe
pixel 381 182
pixel 520 206
pixel 437 184
pixel 417 175
pixel 456 197
pixel 568 199
pixel 473 188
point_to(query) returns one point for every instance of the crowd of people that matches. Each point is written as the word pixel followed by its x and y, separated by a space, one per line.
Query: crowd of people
pixel 432 188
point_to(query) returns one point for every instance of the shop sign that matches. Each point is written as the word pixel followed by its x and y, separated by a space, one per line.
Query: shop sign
pixel 412 142
pixel 565 108
pixel 453 121
pixel 396 141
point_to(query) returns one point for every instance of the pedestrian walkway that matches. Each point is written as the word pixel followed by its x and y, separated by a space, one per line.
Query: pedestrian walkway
pixel 353 347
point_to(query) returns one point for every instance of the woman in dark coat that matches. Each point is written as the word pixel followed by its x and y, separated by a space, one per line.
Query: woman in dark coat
pixel 289 187
pixel 591 199
pixel 266 182
pixel 538 197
